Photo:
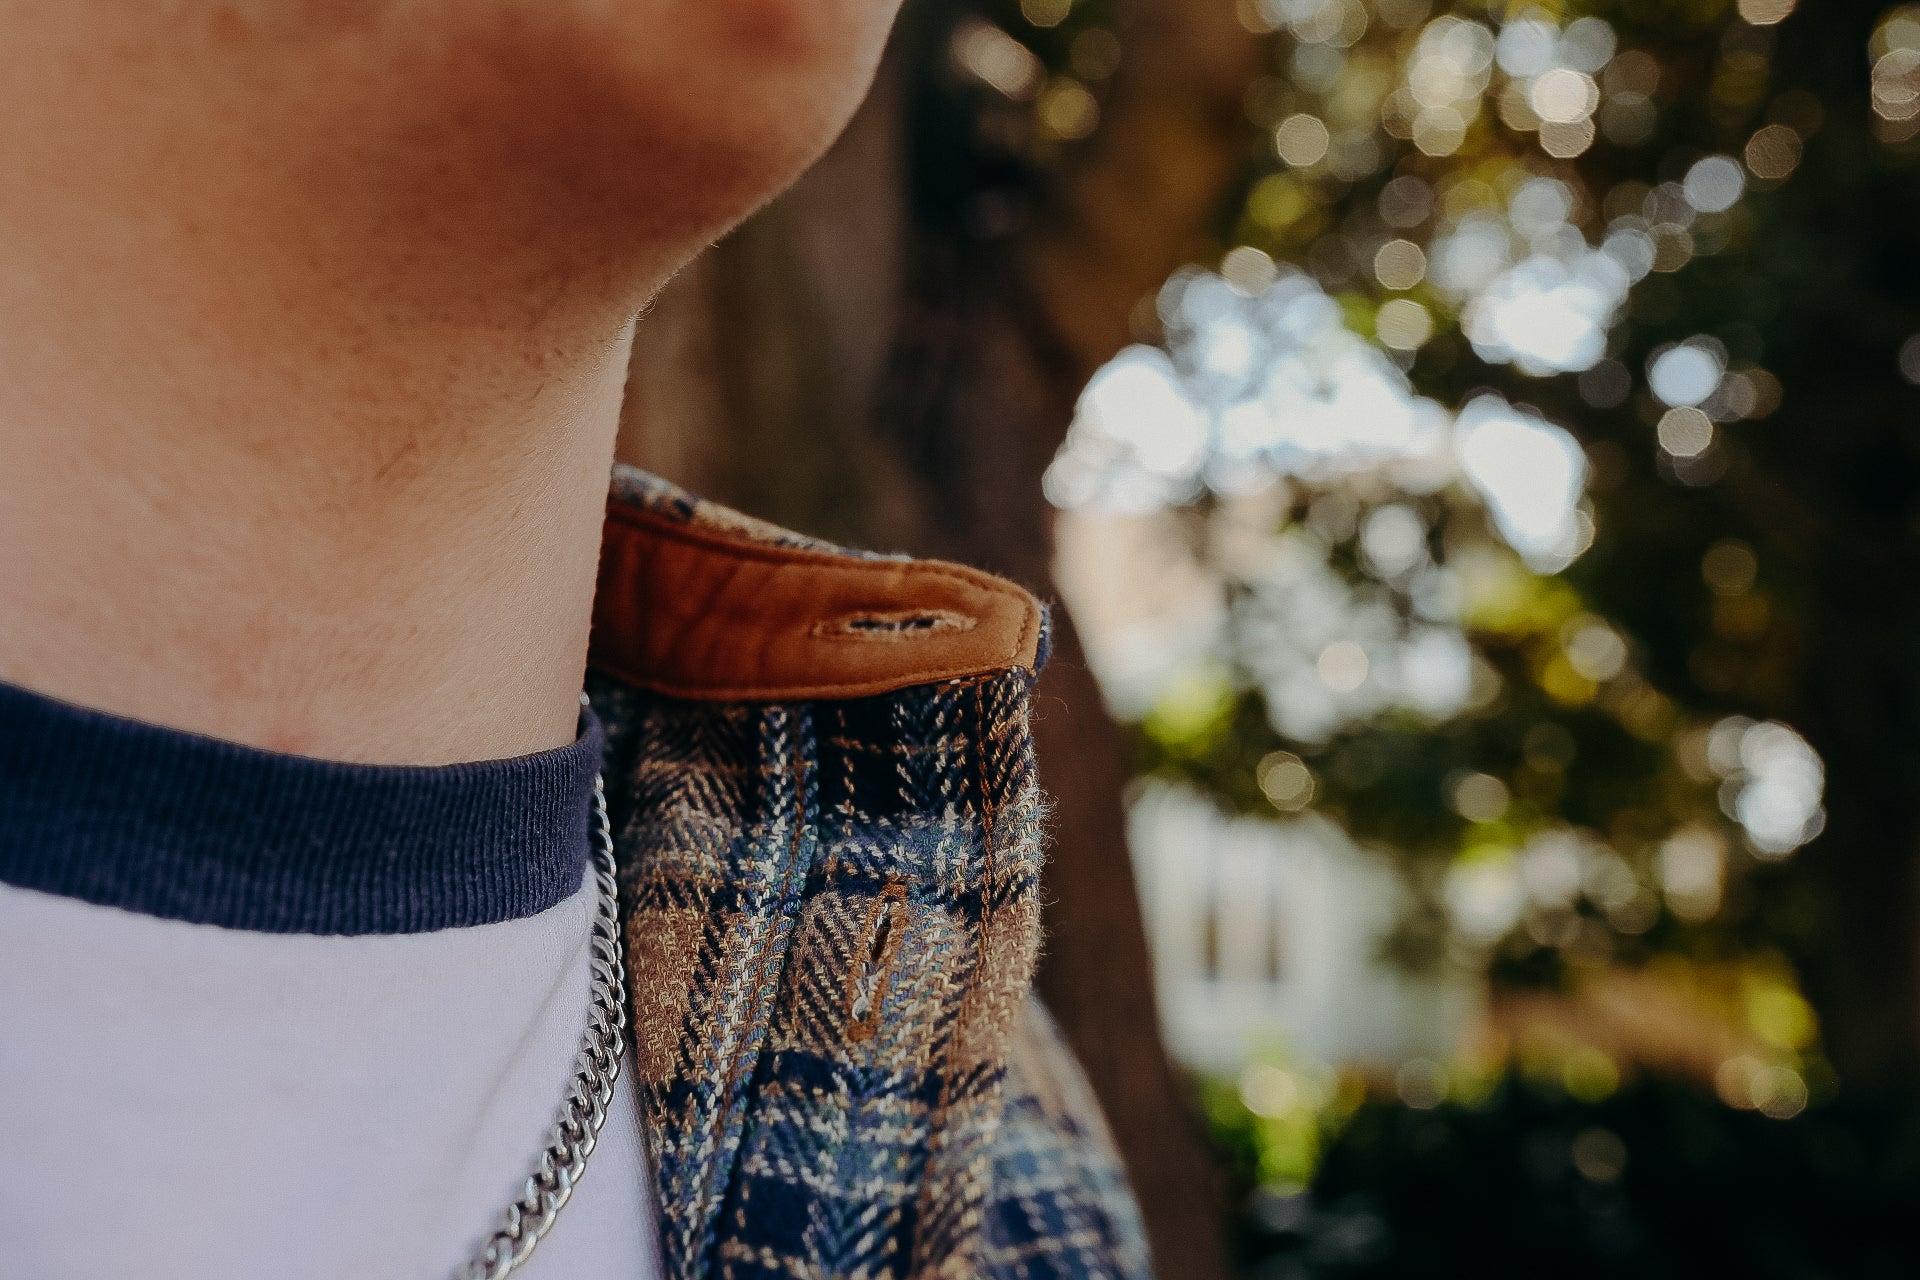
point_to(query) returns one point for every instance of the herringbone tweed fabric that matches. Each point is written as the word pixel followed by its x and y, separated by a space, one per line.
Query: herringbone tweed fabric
pixel 1060 1205
pixel 832 918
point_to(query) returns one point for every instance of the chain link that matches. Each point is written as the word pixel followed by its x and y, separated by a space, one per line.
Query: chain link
pixel 596 1068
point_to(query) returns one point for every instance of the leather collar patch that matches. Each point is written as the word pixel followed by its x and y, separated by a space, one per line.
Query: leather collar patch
pixel 694 611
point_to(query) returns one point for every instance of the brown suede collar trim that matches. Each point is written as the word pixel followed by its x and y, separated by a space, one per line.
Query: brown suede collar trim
pixel 694 611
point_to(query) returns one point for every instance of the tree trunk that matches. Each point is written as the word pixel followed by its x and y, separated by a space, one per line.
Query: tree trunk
pixel 852 363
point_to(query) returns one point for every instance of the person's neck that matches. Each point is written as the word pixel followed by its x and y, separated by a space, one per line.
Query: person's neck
pixel 333 550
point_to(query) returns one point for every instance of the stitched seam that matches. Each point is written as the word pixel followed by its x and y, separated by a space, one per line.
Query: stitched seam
pixel 997 588
pixel 1030 631
pixel 640 521
pixel 767 554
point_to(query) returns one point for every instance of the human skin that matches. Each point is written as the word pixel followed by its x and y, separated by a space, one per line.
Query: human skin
pixel 313 325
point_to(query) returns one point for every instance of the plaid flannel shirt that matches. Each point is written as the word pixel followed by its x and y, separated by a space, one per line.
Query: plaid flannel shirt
pixel 829 834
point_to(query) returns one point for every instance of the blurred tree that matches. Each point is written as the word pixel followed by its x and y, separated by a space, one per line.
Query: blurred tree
pixel 1562 352
pixel 1822 283
pixel 1683 232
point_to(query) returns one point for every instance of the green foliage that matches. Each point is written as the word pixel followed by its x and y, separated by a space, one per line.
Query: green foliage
pixel 1384 136
pixel 1746 563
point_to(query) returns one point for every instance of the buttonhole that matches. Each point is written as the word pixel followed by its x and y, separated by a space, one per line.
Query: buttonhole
pixel 904 625
pixel 868 981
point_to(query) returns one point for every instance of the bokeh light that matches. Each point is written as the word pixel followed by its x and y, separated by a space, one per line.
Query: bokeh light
pixel 1492 283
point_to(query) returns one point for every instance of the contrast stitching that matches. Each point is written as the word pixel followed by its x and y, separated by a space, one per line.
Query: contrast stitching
pixel 999 587
pixel 641 521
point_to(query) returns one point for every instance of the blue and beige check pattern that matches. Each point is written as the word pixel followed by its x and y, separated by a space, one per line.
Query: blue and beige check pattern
pixel 832 917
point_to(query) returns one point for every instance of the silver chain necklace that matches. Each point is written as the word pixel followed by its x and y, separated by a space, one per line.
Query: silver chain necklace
pixel 583 1112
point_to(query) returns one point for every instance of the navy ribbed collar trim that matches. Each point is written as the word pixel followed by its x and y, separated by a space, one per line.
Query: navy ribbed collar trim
pixel 173 824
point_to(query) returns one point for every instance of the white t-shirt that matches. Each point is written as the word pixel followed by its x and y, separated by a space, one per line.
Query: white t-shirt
pixel 183 1099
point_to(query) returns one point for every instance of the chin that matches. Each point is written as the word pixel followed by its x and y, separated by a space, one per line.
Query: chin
pixel 661 120
pixel 468 161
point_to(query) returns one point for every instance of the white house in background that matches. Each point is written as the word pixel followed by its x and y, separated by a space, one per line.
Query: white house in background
pixel 1266 931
